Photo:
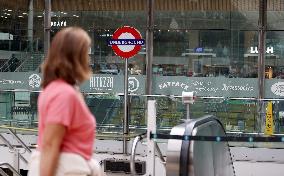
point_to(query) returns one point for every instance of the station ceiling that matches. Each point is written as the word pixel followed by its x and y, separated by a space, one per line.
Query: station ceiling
pixel 174 5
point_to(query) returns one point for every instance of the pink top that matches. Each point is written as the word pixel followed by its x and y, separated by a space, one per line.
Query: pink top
pixel 60 103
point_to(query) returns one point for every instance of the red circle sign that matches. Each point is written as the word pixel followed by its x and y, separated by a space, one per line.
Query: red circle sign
pixel 126 42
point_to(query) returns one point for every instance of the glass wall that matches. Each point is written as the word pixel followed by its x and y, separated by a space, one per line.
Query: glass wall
pixel 206 46
pixel 205 38
pixel 101 20
pixel 21 31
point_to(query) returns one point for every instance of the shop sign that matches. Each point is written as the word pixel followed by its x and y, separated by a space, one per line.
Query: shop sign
pixel 174 84
pixel 34 80
pixel 221 87
pixel 133 84
pixel 104 83
pixel 278 88
pixel 162 85
pixel 101 82
pixel 58 23
pixel 10 82
pixel 269 50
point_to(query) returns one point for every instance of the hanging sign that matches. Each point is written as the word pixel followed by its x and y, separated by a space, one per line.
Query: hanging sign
pixel 126 42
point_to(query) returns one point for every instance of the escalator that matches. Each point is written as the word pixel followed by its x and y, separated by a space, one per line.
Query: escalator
pixel 199 158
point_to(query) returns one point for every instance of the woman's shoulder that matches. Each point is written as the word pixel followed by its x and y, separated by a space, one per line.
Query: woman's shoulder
pixel 60 87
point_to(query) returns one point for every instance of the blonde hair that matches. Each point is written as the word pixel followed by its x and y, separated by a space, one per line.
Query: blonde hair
pixel 68 57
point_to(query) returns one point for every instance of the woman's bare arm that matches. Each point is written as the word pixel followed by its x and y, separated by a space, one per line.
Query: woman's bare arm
pixel 50 149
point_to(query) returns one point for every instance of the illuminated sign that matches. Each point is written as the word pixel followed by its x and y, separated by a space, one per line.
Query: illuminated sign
pixel 199 50
pixel 254 50
pixel 58 24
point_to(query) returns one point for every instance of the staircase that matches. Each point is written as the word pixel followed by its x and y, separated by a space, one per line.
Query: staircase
pixel 31 63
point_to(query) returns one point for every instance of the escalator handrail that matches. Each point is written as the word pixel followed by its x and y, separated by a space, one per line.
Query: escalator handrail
pixel 192 124
pixel 205 119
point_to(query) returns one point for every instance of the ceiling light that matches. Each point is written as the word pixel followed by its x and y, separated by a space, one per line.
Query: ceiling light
pixel 20 16
pixel 8 14
pixel 39 16
pixel 24 13
pixel 10 10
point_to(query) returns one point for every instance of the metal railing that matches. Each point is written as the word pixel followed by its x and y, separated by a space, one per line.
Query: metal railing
pixel 133 152
pixel 9 167
pixel 3 173
pixel 17 156
pixel 20 141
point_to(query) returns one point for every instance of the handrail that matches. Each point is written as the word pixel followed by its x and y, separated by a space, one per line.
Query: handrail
pixel 15 150
pixel 23 159
pixel 11 147
pixel 3 173
pixel 160 154
pixel 99 135
pixel 20 141
pixel 3 67
pixel 133 151
pixel 6 142
pixel 11 168
pixel 17 128
pixel 21 65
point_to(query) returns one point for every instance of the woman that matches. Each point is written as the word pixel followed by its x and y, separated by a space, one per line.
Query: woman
pixel 66 126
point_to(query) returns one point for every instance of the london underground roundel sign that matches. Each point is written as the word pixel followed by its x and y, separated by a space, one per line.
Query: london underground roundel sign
pixel 126 42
